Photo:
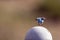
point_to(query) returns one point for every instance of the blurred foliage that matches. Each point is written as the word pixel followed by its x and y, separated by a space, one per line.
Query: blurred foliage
pixel 49 8
pixel 53 6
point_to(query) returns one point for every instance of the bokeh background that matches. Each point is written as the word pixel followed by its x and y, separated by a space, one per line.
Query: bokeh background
pixel 18 16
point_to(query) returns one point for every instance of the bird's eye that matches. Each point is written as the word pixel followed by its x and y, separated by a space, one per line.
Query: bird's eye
pixel 42 18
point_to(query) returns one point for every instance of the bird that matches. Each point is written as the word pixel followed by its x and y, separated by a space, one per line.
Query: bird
pixel 40 20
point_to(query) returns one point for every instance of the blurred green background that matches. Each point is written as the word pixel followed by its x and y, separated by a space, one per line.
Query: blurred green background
pixel 17 16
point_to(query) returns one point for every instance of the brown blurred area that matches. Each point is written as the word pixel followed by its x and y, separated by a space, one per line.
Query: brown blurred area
pixel 17 16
